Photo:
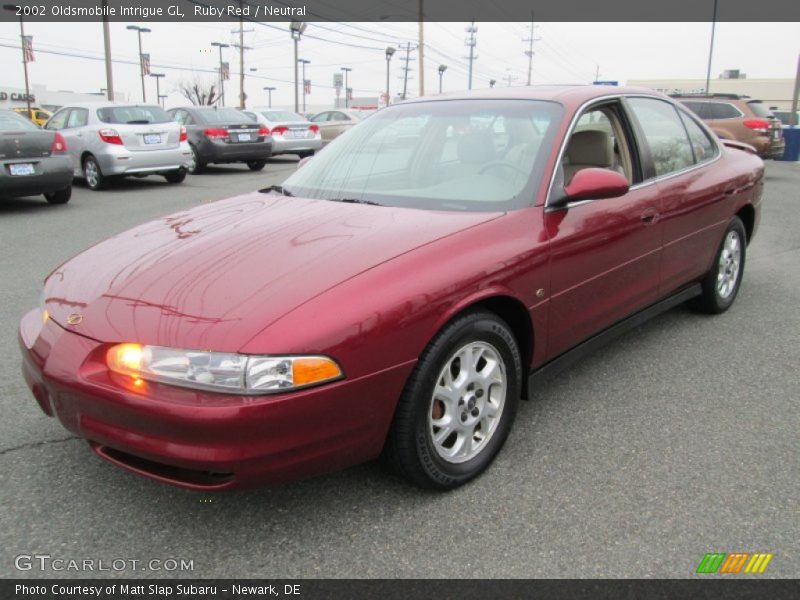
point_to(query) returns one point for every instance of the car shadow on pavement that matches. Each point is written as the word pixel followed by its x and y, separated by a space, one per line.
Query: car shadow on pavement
pixel 27 204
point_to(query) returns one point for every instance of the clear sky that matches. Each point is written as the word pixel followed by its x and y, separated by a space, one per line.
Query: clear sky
pixel 566 53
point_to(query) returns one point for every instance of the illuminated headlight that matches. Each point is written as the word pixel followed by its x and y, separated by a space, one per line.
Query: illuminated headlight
pixel 43 308
pixel 221 371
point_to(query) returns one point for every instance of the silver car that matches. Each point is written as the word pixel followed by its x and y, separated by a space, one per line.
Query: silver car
pixel 107 140
pixel 291 133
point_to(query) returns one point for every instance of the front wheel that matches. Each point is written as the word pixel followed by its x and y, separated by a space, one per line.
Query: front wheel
pixel 458 405
pixel 256 165
pixel 721 284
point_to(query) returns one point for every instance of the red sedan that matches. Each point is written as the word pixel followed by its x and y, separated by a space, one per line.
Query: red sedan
pixel 399 294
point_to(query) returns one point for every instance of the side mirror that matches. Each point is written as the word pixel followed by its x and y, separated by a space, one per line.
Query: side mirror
pixel 304 161
pixel 596 184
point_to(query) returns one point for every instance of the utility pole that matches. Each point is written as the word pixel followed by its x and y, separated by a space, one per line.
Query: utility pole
pixel 269 91
pixel 296 28
pixel 107 48
pixel 221 74
pixel 471 42
pixel 711 49
pixel 509 77
pixel 346 88
pixel 406 68
pixel 241 31
pixel 390 50
pixel 529 52
pixel 421 46
pixel 304 62
pixel 597 73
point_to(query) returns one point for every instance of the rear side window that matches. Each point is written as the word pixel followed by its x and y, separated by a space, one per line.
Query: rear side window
pixel 10 121
pixel 698 108
pixel 663 129
pixel 282 115
pixel 78 117
pixel 759 109
pixel 704 149
pixel 722 110
pixel 224 115
pixel 58 120
pixel 133 115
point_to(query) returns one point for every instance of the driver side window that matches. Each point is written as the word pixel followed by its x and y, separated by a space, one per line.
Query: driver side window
pixel 58 120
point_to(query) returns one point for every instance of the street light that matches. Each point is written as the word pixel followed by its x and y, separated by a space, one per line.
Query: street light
pixel 492 82
pixel 158 77
pixel 389 53
pixel 304 62
pixel 297 28
pixel 442 69
pixel 161 98
pixel 139 31
pixel 13 8
pixel 346 89
pixel 269 91
pixel 220 45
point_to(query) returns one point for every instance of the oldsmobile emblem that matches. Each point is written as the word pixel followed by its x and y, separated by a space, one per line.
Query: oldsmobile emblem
pixel 74 319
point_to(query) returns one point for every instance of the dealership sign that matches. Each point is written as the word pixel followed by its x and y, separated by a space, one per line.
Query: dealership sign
pixel 17 97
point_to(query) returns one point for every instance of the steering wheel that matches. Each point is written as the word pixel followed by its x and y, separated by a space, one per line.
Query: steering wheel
pixel 501 163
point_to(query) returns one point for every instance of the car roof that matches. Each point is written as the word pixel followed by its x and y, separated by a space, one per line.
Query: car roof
pixel 106 104
pixel 569 94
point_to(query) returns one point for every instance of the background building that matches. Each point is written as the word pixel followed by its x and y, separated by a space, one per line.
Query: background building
pixel 47 99
pixel 773 92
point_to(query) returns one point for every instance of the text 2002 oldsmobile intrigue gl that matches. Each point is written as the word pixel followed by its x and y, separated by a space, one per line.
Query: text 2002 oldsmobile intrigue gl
pixel 398 294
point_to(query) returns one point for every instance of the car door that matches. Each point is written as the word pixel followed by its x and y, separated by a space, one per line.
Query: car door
pixel 327 129
pixel 693 192
pixel 74 131
pixel 605 254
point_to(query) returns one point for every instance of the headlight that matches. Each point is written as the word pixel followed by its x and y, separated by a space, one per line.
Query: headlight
pixel 43 307
pixel 221 371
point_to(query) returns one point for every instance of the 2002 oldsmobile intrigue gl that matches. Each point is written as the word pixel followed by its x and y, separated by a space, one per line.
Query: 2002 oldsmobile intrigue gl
pixel 398 294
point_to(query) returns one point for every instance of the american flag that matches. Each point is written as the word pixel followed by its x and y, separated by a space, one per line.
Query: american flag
pixel 145 59
pixel 349 93
pixel 307 86
pixel 226 71
pixel 27 48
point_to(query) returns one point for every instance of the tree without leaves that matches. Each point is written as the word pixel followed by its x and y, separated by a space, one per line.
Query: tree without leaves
pixel 198 91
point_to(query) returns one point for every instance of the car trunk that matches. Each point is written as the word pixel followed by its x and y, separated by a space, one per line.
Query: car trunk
pixel 25 144
pixel 241 133
pixel 293 130
pixel 151 136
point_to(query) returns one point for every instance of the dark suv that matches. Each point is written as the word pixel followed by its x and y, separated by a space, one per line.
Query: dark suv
pixel 740 118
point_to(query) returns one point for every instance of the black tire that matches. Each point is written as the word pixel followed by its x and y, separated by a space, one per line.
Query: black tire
pixel 176 176
pixel 712 300
pixel 256 165
pixel 95 180
pixel 410 448
pixel 197 165
pixel 305 154
pixel 59 197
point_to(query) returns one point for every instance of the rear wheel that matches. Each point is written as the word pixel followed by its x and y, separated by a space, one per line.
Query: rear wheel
pixel 256 165
pixel 195 164
pixel 94 177
pixel 721 284
pixel 458 405
pixel 175 176
pixel 305 154
pixel 59 197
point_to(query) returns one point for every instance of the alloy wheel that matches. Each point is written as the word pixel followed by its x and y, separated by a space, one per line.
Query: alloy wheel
pixel 730 259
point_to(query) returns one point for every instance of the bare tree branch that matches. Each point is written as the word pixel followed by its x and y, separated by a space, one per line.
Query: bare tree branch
pixel 199 91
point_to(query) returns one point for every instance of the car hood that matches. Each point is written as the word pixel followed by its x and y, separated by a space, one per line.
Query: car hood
pixel 214 276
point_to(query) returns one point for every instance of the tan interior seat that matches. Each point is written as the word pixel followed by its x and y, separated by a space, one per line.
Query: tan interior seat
pixel 589 148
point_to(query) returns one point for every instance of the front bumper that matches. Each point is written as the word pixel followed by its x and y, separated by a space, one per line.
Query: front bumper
pixel 202 440
pixel 117 160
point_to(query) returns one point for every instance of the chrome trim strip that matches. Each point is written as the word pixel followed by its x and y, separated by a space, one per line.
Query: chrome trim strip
pixel 641 184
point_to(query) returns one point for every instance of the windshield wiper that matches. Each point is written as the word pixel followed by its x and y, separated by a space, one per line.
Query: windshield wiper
pixel 276 188
pixel 357 201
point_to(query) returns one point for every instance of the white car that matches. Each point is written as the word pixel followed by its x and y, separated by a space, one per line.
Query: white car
pixel 291 133
pixel 107 140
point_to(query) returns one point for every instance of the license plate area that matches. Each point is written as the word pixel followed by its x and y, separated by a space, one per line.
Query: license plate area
pixel 21 169
pixel 245 137
pixel 152 138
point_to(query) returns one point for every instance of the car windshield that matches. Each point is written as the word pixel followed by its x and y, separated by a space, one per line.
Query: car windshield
pixel 10 121
pixel 282 115
pixel 759 109
pixel 224 115
pixel 471 155
pixel 133 115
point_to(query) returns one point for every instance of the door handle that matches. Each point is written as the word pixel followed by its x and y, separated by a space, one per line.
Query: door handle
pixel 649 217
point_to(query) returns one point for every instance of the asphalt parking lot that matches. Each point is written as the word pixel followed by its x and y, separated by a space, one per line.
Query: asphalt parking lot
pixel 679 439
